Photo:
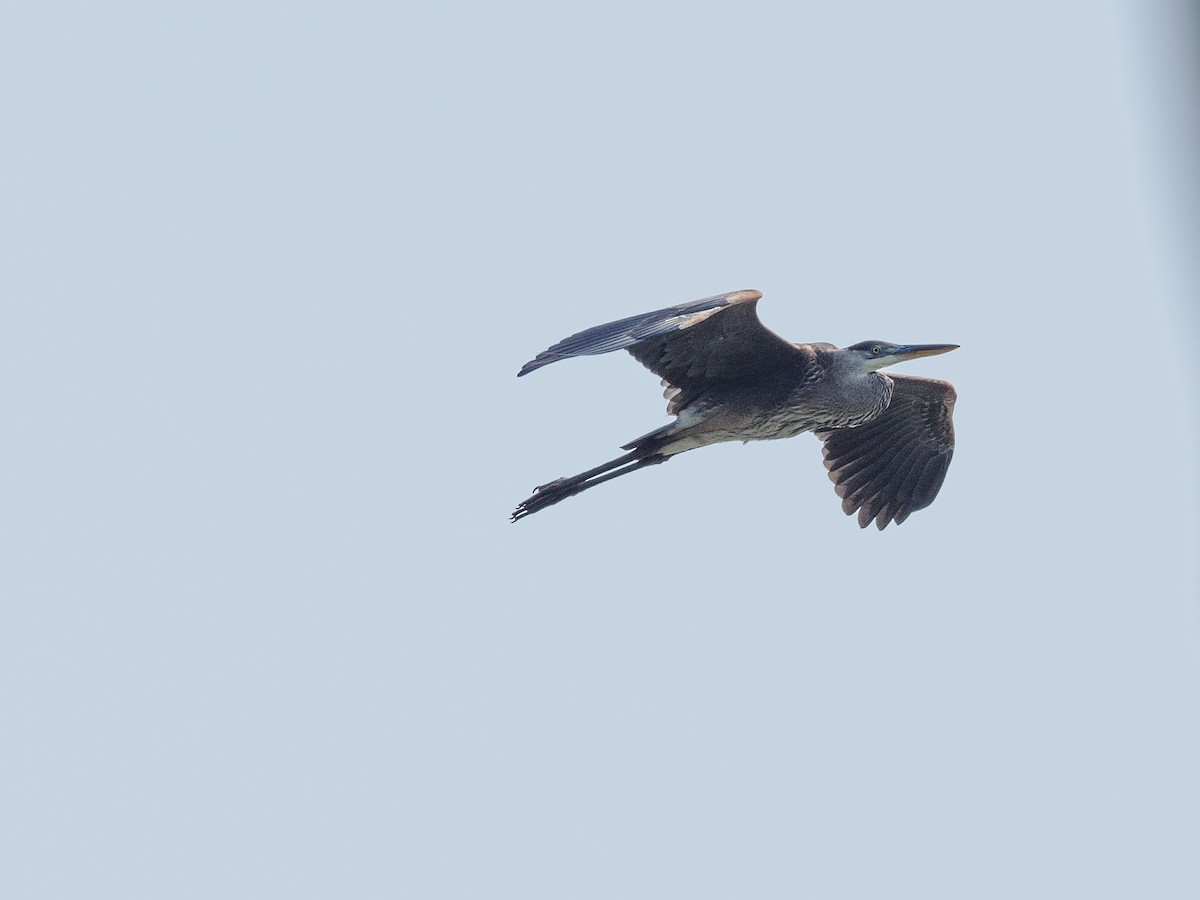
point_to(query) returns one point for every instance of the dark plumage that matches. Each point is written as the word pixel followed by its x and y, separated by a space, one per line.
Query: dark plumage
pixel 888 439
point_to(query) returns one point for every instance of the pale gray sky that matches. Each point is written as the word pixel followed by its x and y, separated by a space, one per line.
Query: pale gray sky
pixel 271 270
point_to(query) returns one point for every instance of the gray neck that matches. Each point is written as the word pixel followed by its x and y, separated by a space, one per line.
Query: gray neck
pixel 858 392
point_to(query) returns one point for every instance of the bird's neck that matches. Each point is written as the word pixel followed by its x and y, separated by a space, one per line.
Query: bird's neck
pixel 865 396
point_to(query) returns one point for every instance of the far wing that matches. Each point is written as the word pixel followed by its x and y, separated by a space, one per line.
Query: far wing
pixel 894 465
pixel 715 339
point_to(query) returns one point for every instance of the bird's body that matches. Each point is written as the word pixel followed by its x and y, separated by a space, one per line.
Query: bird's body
pixel 887 439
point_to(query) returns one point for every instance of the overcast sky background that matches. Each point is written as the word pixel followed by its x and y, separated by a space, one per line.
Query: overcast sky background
pixel 270 270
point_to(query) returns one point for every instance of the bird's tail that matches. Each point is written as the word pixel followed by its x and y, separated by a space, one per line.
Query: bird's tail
pixel 643 451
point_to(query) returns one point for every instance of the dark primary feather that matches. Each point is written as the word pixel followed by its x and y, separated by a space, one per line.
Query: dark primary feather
pixel 715 339
pixel 895 464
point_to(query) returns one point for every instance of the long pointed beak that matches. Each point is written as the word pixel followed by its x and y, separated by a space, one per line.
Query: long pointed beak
pixel 916 351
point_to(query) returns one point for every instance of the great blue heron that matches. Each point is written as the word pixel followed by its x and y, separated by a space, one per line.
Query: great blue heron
pixel 887 439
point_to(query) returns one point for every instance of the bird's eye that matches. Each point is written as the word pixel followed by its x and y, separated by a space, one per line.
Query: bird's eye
pixel 875 351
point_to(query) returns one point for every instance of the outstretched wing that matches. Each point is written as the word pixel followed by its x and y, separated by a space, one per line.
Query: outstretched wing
pixel 691 345
pixel 895 464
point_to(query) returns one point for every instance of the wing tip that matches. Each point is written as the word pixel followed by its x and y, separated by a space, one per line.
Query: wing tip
pixel 542 359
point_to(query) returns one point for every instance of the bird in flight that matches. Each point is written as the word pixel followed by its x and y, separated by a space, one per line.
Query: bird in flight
pixel 887 439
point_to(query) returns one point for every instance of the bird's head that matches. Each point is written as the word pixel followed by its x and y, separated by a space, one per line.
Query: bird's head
pixel 877 354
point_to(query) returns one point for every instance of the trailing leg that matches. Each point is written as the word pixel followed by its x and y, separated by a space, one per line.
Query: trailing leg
pixel 562 488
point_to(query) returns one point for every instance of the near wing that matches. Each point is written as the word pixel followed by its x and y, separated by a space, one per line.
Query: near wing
pixel 691 345
pixel 894 465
